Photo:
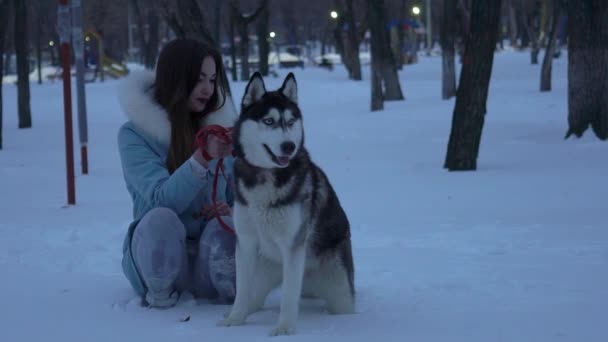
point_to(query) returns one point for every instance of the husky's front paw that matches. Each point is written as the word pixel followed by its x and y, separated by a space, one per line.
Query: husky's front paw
pixel 232 320
pixel 283 329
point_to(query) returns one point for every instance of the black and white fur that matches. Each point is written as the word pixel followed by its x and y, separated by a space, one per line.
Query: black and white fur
pixel 289 223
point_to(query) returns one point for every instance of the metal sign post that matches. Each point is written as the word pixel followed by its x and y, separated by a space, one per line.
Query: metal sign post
pixel 78 41
pixel 64 24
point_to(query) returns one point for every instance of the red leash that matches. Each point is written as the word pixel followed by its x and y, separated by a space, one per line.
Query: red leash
pixel 201 139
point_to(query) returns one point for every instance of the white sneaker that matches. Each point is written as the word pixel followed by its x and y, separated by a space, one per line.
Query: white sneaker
pixel 162 300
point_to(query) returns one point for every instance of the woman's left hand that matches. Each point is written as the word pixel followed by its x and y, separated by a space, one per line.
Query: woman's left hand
pixel 222 209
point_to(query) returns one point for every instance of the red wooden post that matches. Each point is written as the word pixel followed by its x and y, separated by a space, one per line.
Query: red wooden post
pixel 64 27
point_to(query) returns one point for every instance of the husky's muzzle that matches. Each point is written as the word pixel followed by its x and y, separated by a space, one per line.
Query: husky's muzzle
pixel 287 149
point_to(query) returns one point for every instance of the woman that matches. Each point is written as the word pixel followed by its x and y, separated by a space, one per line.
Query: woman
pixel 175 242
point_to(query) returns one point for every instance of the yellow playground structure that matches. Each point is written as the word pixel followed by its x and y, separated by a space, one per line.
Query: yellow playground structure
pixel 104 64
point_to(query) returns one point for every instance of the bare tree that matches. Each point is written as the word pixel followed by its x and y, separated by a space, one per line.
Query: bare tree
pixel 545 78
pixel 377 100
pixel 351 48
pixel 23 67
pixel 384 70
pixel 232 35
pixel 147 19
pixel 513 28
pixel 262 31
pixel 289 20
pixel 472 94
pixel 531 13
pixel 4 9
pixel 38 38
pixel 217 27
pixel 588 67
pixel 448 40
pixel 242 21
pixel 187 21
pixel 109 19
pixel 464 23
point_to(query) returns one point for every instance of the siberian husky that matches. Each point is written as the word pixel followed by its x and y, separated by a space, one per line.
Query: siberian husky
pixel 291 230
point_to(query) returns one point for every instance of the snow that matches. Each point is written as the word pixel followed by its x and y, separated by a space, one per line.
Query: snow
pixel 516 251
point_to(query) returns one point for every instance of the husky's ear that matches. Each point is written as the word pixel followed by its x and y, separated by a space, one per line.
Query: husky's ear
pixel 254 91
pixel 290 87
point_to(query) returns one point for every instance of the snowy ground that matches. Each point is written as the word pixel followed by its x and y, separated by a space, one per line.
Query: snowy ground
pixel 517 251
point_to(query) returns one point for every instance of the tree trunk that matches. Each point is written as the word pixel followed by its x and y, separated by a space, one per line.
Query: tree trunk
pixel 39 45
pixel 352 43
pixel 339 43
pixel 151 47
pixel 533 36
pixel 23 67
pixel 242 22
pixel 243 49
pixel 263 45
pixel 374 12
pixel 448 41
pixel 404 56
pixel 3 26
pixel 377 102
pixel 588 67
pixel 147 23
pixel 217 6
pixel 472 94
pixel 545 78
pixel 392 87
pixel 381 51
pixel 233 48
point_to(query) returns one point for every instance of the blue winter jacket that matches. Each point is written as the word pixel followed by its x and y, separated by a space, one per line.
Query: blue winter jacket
pixel 143 144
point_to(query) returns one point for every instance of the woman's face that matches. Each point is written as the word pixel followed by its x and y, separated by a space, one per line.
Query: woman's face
pixel 205 86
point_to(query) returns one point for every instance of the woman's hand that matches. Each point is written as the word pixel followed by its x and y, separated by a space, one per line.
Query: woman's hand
pixel 218 148
pixel 222 209
pixel 215 148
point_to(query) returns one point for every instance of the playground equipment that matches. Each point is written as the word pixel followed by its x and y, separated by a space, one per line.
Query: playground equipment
pixel 103 65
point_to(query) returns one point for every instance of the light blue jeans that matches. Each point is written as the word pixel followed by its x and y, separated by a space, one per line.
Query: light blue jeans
pixel 169 262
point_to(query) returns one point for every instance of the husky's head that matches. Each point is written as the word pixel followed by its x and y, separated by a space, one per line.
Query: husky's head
pixel 269 132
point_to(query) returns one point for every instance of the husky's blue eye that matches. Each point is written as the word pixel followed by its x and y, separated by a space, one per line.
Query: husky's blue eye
pixel 268 121
pixel 291 122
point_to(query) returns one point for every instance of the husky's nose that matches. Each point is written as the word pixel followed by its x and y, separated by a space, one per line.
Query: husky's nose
pixel 288 147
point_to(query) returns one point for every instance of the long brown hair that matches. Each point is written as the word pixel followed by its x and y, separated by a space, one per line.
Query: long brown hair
pixel 177 72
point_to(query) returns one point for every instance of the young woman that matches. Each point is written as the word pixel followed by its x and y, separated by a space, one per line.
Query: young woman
pixel 175 242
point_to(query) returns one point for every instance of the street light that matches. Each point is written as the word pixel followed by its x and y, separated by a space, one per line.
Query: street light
pixel 51 43
pixel 416 10
pixel 334 14
pixel 272 34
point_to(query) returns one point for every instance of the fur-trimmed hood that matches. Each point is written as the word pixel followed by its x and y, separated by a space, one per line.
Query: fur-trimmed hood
pixel 135 96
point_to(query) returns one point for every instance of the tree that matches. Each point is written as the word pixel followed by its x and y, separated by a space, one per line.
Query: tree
pixel 232 35
pixel 242 21
pixel 3 26
pixel 472 93
pixel 447 34
pixel 262 31
pixel 545 78
pixel 23 67
pixel 351 48
pixel 588 67
pixel 384 70
pixel 187 21
pixel 511 13
pixel 147 20
pixel 109 19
